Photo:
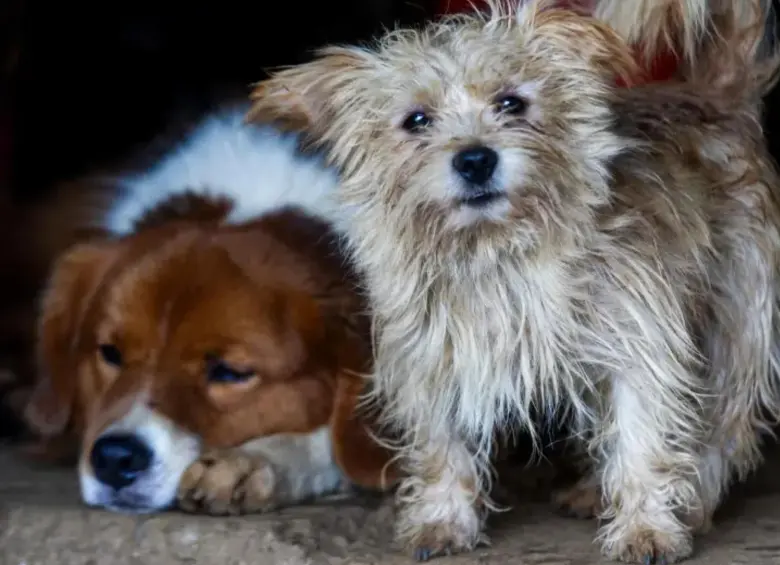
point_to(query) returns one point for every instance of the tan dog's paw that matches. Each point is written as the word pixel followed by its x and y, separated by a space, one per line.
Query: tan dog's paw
pixel 438 540
pixel 227 482
pixel 648 547
pixel 583 500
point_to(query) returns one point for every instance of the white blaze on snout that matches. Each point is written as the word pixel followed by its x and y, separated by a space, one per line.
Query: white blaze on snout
pixel 173 451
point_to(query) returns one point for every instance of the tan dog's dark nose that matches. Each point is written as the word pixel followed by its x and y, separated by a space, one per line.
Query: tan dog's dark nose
pixel 118 459
pixel 476 164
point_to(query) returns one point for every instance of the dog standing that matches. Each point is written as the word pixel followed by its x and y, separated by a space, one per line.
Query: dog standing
pixel 532 235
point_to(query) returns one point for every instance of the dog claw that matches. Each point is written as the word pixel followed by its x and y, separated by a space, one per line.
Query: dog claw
pixel 427 553
pixel 653 559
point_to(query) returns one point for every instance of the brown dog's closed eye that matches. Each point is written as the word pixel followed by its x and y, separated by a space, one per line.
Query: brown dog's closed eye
pixel 195 335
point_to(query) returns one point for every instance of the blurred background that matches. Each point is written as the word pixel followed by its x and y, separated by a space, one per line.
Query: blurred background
pixel 83 82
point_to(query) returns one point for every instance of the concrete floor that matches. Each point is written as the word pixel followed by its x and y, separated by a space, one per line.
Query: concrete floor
pixel 43 523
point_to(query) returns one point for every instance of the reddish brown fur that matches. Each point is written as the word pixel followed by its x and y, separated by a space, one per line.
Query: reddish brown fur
pixel 38 232
pixel 270 296
pixel 36 235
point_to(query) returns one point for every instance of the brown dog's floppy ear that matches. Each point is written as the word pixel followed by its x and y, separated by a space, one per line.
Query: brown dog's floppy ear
pixel 587 38
pixel 354 433
pixel 75 278
pixel 302 98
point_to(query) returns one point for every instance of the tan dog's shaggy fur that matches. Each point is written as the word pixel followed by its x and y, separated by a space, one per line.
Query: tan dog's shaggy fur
pixel 683 27
pixel 622 259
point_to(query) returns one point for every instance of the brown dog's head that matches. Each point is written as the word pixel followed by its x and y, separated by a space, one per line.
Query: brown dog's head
pixel 188 335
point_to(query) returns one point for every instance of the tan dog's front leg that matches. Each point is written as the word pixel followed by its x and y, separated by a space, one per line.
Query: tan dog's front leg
pixel 649 471
pixel 440 500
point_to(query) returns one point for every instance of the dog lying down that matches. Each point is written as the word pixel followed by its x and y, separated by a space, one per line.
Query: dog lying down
pixel 217 366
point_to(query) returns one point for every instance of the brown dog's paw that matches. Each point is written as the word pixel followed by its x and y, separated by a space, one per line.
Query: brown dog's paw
pixel 227 482
pixel 583 500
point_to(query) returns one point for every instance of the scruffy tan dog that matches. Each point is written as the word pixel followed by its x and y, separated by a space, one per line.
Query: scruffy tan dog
pixel 533 235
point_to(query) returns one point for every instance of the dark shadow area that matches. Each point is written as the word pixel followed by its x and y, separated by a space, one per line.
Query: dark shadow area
pixel 85 82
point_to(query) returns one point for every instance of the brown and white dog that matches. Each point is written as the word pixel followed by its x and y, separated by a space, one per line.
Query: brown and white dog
pixel 219 156
pixel 532 234
pixel 174 324
pixel 214 364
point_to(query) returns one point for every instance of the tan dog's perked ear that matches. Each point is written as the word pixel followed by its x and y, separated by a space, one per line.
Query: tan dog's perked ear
pixel 75 279
pixel 592 40
pixel 305 97
pixel 322 98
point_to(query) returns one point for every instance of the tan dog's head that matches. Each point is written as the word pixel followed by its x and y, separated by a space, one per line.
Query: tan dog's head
pixel 476 125
pixel 179 336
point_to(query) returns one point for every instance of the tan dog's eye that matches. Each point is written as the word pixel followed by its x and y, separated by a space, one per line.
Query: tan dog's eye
pixel 111 354
pixel 510 104
pixel 222 373
pixel 416 121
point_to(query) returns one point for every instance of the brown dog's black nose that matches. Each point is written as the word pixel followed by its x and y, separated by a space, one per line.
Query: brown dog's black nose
pixel 118 459
pixel 476 164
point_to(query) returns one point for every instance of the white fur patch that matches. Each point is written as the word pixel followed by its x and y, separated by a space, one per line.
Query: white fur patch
pixel 173 450
pixel 258 167
pixel 305 461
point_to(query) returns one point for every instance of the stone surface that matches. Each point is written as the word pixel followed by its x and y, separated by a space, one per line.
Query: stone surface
pixel 43 523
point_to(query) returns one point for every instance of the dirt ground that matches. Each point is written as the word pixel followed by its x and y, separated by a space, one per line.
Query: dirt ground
pixel 43 523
